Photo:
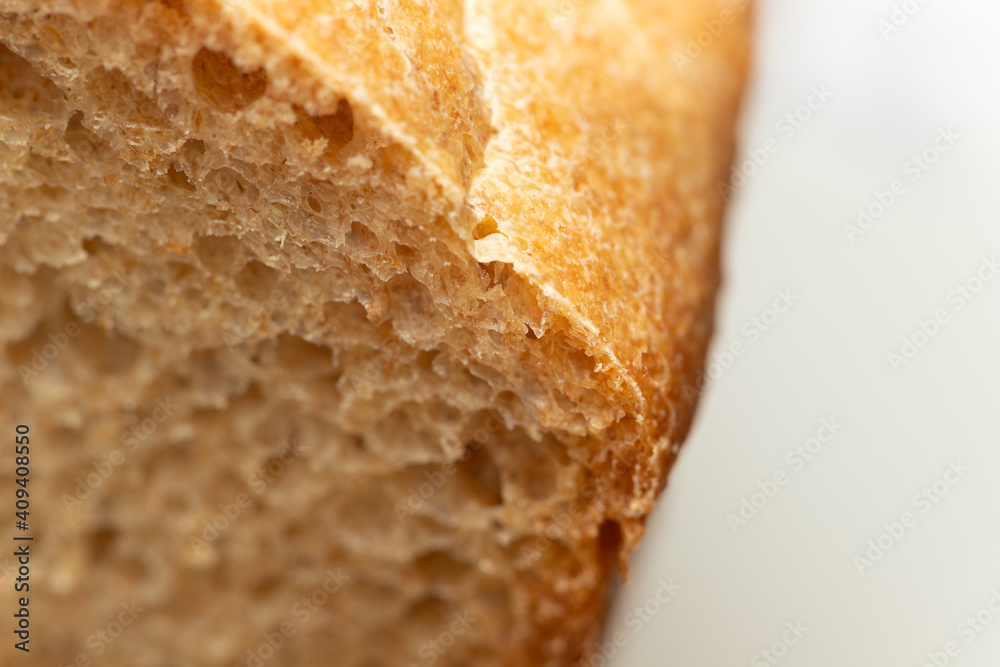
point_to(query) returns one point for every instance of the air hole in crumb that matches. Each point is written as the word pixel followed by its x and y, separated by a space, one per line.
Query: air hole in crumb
pixel 223 84
pixel 535 475
pixel 337 128
pixel 99 542
pixel 193 148
pixel 219 254
pixel 108 354
pixel 252 394
pixel 480 474
pixel 609 542
pixel 181 270
pixel 85 143
pixel 179 179
pixel 233 187
pixel 425 359
pixel 300 357
pixel 176 5
pixel 361 238
pixel 314 204
pixel 485 228
pixel 440 566
pixel 274 466
pixel 406 254
pixel 507 402
pixel 265 586
pixel 257 280
pixel 531 333
pixel 496 272
pixel 430 611
pixel 95 246
pixel 293 531
pixel 338 314
pixel 357 443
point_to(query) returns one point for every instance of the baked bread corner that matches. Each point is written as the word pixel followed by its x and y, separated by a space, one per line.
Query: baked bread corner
pixel 401 302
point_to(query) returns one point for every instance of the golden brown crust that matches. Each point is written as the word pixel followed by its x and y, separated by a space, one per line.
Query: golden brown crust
pixel 601 179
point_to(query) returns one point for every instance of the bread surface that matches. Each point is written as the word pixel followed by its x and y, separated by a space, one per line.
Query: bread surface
pixel 352 333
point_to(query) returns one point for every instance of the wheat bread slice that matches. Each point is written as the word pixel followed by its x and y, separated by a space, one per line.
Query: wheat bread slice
pixel 352 333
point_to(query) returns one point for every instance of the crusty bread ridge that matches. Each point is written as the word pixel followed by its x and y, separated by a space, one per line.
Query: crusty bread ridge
pixel 408 293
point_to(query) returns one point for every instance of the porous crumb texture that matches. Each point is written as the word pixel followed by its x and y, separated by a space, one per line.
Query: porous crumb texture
pixel 401 296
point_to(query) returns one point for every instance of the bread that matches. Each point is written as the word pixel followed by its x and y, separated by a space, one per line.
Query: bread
pixel 351 333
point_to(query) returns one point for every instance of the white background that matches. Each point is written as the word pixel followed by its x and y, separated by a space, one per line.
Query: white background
pixel 828 356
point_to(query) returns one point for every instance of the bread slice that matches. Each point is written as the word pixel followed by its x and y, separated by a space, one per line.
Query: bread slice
pixel 352 333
